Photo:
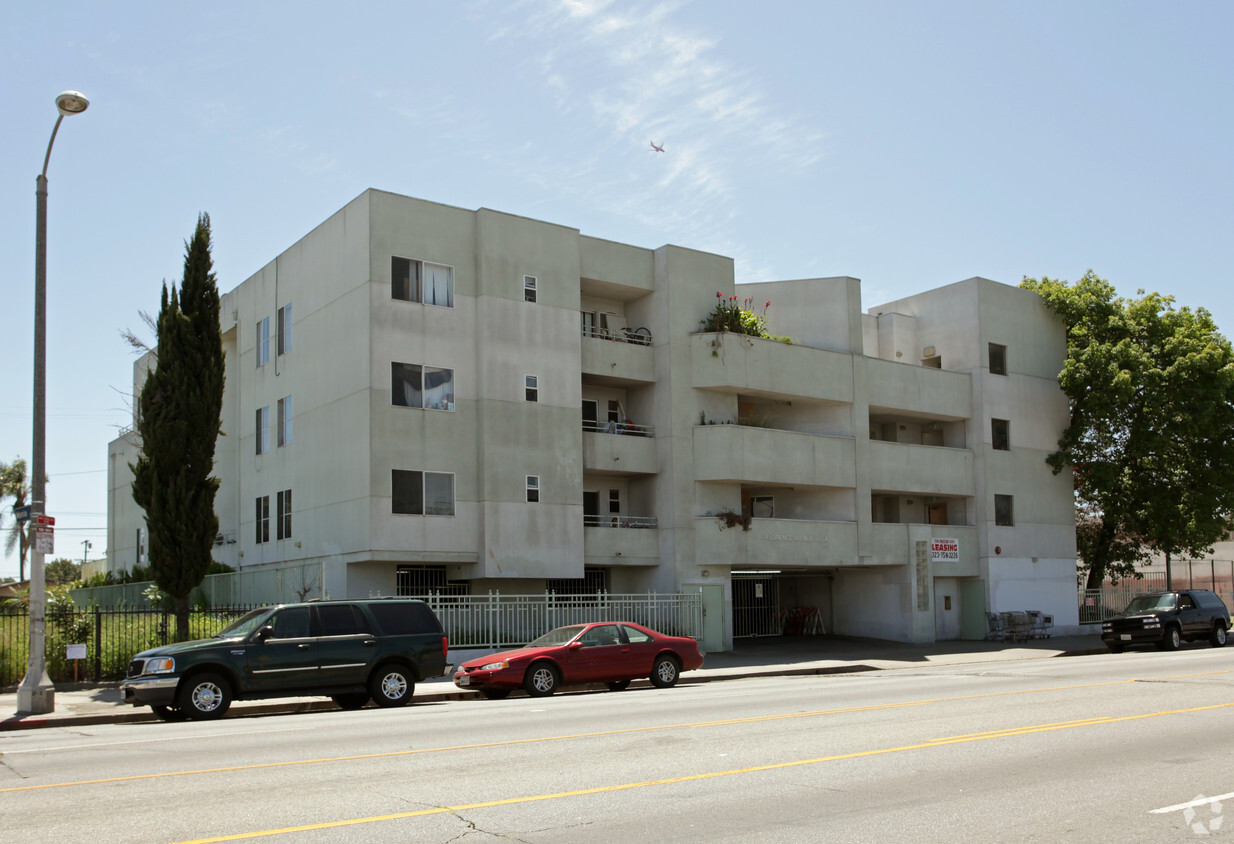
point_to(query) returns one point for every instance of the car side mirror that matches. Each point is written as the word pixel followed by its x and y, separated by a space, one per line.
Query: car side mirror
pixel 263 634
pixel 574 646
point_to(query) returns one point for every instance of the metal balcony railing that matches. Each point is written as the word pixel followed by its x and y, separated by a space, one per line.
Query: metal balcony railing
pixel 638 336
pixel 615 521
pixel 627 428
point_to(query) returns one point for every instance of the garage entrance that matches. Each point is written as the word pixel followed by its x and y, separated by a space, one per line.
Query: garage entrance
pixel 781 603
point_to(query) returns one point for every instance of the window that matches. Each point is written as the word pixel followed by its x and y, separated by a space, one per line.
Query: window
pixel 263 519
pixel 1003 514
pixel 533 489
pixel 283 327
pixel 420 281
pixel 263 429
pixel 763 506
pixel 529 288
pixel 428 387
pixel 263 342
pixel 421 493
pixel 614 501
pixel 1000 434
pixel 340 620
pixel 284 421
pixel 531 388
pixel 998 359
pixel 290 623
pixel 283 523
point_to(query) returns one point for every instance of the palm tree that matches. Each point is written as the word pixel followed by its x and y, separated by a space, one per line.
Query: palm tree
pixel 13 484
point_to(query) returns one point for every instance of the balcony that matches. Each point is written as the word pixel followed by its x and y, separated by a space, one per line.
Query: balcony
pixel 918 389
pixel 752 366
pixel 622 357
pixel 777 543
pixel 621 540
pixel 619 448
pixel 766 455
pixel 920 469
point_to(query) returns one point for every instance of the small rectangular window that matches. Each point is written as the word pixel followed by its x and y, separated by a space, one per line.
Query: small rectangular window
pixel 263 519
pixel 421 493
pixel 531 387
pixel 284 421
pixel 763 506
pixel 405 279
pixel 1000 434
pixel 1003 514
pixel 406 385
pixel 283 523
pixel 263 429
pixel 998 359
pixel 529 288
pixel 283 327
pixel 533 489
pixel 438 285
pixel 438 388
pixel 263 341
pixel 614 410
pixel 614 501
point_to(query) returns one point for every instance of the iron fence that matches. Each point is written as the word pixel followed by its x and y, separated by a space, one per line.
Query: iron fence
pixel 111 638
pixel 499 621
pixel 1096 605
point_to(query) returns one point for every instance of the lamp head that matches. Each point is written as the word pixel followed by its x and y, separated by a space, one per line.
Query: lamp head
pixel 72 102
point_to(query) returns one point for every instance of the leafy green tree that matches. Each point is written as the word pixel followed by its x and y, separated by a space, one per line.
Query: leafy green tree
pixel 15 485
pixel 62 570
pixel 179 422
pixel 1151 436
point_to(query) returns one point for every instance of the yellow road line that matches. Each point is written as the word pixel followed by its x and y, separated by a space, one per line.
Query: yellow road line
pixel 511 742
pixel 1064 725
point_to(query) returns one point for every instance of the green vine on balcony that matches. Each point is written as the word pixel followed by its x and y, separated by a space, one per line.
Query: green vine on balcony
pixel 739 317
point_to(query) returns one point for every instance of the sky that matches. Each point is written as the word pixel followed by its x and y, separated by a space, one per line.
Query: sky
pixel 908 144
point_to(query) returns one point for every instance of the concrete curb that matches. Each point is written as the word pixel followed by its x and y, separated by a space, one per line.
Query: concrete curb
pixel 122 714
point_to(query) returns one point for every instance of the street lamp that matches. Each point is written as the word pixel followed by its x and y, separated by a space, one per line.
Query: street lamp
pixel 36 695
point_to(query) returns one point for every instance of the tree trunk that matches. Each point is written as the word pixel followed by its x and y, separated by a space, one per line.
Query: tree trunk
pixel 181 609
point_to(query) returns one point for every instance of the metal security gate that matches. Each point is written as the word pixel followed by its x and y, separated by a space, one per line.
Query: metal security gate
pixel 756 606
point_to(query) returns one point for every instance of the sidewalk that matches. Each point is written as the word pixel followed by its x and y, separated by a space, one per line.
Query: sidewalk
pixel 778 656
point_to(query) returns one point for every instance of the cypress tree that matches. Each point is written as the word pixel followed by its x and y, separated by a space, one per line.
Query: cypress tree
pixel 179 421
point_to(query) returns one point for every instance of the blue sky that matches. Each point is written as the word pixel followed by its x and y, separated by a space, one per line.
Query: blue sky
pixel 908 144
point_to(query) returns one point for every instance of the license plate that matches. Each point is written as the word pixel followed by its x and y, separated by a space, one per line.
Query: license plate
pixel 465 680
pixel 1126 637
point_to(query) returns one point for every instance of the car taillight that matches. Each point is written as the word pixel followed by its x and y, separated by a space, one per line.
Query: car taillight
pixel 445 648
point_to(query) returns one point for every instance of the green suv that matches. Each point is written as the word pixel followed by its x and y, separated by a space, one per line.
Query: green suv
pixel 351 651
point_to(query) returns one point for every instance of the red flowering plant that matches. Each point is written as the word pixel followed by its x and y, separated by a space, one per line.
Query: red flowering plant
pixel 736 316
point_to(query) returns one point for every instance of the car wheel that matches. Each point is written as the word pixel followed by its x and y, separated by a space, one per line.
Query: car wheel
pixel 351 701
pixel 1172 640
pixel 167 713
pixel 1218 637
pixel 618 685
pixel 391 685
pixel 541 680
pixel 204 697
pixel 664 672
pixel 495 694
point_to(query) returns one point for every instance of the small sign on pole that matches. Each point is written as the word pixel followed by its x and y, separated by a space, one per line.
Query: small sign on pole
pixel 45 539
pixel 75 653
pixel 22 514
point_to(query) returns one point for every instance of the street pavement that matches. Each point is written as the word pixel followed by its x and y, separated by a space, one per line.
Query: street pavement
pixel 82 705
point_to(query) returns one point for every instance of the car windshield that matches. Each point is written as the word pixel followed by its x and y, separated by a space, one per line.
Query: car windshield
pixel 556 637
pixel 244 625
pixel 1148 603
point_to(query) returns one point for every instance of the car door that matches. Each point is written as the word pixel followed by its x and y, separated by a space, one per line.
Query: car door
pixel 598 656
pixel 346 647
pixel 1190 617
pixel 286 659
pixel 641 649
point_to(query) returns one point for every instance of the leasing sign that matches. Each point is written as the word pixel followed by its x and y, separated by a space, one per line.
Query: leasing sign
pixel 944 550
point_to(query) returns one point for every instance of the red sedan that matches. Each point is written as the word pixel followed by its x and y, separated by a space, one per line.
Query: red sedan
pixel 607 652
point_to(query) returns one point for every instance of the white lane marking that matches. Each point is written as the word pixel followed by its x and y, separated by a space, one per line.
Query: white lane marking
pixel 1192 804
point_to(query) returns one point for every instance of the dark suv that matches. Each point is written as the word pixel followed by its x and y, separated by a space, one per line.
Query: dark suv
pixel 1165 619
pixel 350 651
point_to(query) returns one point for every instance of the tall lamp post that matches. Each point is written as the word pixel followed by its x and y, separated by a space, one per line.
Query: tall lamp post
pixel 36 695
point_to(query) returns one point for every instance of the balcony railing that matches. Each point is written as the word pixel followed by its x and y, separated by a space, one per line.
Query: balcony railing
pixel 638 336
pixel 627 428
pixel 620 521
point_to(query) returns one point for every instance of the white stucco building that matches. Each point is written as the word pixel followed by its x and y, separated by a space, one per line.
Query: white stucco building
pixel 421 394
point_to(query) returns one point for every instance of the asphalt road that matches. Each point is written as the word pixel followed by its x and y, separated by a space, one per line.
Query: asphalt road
pixel 1092 748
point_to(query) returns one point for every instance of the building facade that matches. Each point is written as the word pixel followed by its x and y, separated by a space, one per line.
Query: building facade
pixel 421 396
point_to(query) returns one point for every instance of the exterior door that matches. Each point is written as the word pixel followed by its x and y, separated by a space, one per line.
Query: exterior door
pixel 946 608
pixel 288 658
pixel 345 645
pixel 591 509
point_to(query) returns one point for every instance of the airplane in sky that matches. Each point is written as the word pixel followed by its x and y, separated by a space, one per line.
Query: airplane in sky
pixel 657 148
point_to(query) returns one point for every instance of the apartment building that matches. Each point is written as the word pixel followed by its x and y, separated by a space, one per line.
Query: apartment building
pixel 421 396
